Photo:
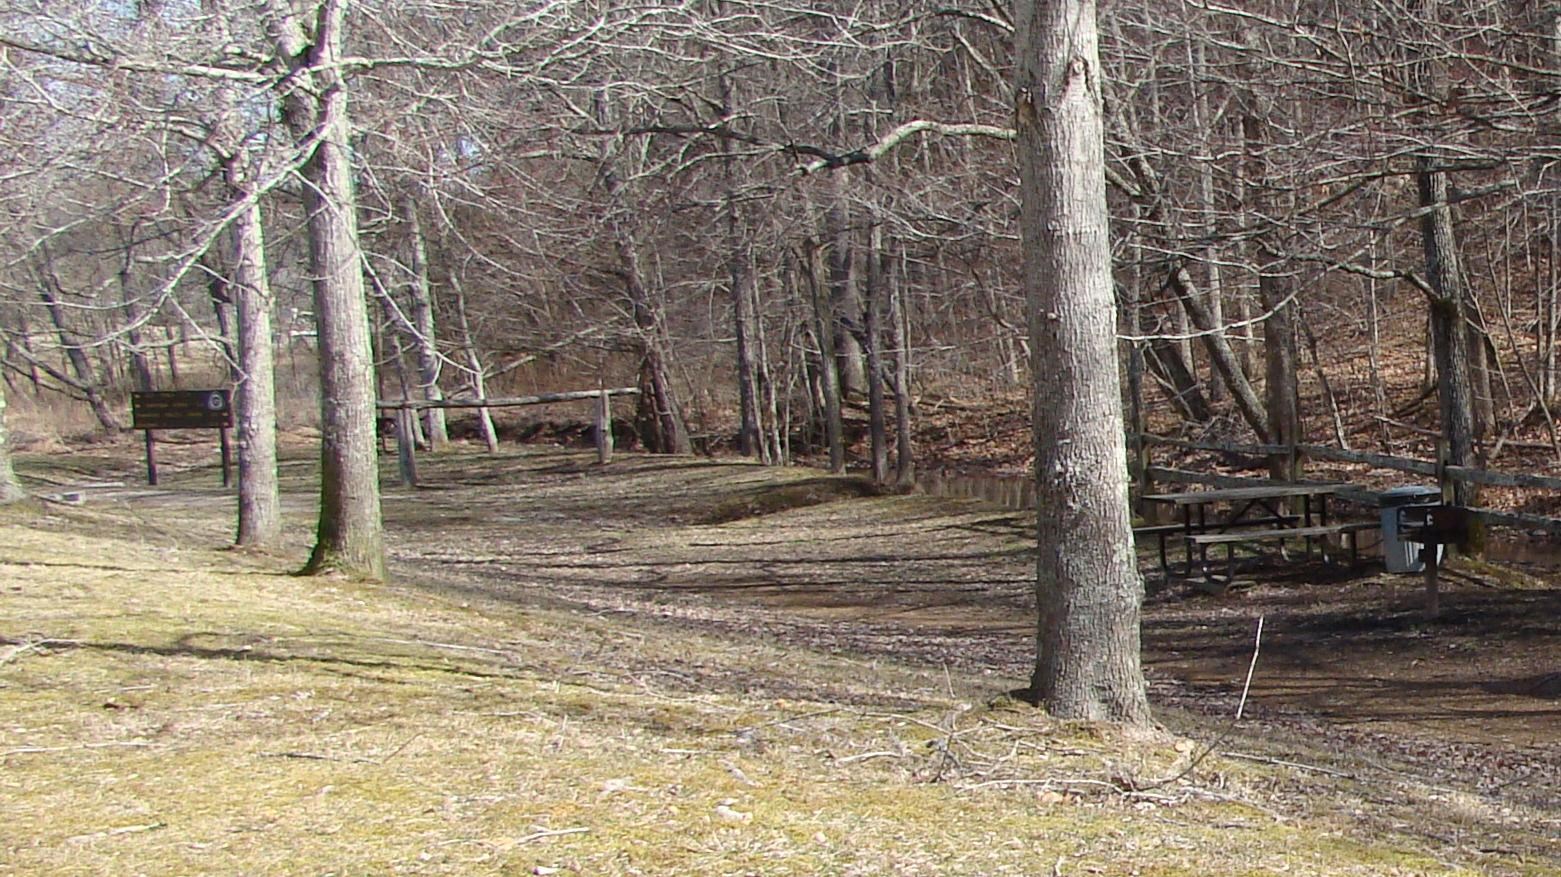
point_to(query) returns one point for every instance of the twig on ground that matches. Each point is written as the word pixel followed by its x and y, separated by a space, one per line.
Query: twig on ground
pixel 1280 762
pixel 397 750
pixel 813 715
pixel 115 832
pixel 33 645
pixel 559 832
pixel 1192 765
pixel 34 750
pixel 1073 783
pixel 868 756
pixel 1257 645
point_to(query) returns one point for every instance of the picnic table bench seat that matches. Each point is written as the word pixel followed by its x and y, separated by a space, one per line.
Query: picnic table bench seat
pixel 1162 531
pixel 1230 538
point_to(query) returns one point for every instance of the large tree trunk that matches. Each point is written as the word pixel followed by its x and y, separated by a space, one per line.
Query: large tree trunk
pixel 873 333
pixel 1088 588
pixel 844 299
pixel 259 495
pixel 1281 394
pixel 476 379
pixel 252 367
pixel 900 350
pixel 740 271
pixel 1450 343
pixel 424 333
pixel 829 375
pixel 750 441
pixel 10 488
pixel 350 535
pixel 1448 299
pixel 660 414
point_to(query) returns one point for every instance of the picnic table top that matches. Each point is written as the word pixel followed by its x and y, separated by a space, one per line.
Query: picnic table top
pixel 1237 494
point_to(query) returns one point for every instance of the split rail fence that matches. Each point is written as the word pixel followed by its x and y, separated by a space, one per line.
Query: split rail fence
pixel 406 411
pixel 1444 474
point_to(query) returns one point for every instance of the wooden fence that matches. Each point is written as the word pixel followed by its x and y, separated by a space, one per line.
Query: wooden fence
pixel 1445 475
pixel 406 410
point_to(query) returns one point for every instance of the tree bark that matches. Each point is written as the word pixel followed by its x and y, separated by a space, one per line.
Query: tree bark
pixel 252 366
pixel 1220 352
pixel 475 380
pixel 829 375
pixel 1281 387
pixel 873 333
pixel 350 535
pixel 1165 360
pixel 424 333
pixel 259 494
pixel 10 488
pixel 1449 341
pixel 1088 587
pixel 740 273
pixel 660 414
pixel 844 298
pixel 1448 298
pixel 899 345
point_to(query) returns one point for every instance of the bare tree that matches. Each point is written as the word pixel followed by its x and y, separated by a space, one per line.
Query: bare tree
pixel 1088 586
pixel 350 536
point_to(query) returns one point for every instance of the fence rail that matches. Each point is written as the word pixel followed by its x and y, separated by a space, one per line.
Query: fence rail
pixel 1445 475
pixel 406 410
pixel 503 402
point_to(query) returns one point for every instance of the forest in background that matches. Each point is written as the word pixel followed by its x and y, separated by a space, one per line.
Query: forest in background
pixel 717 200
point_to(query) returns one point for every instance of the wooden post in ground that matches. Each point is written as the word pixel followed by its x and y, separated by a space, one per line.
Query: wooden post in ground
pixel 1141 470
pixel 1444 481
pixel 603 427
pixel 151 459
pixel 406 452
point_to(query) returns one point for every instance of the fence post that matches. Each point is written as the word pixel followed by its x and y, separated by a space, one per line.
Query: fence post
pixel 603 427
pixel 406 452
pixel 1444 480
pixel 1141 465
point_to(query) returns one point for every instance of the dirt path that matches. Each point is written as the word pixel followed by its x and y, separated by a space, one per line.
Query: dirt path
pixel 1474 699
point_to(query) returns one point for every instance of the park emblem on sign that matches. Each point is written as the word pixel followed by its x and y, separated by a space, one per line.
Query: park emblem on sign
pixel 181 409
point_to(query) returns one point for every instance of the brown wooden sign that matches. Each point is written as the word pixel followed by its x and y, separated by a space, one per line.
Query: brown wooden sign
pixel 181 409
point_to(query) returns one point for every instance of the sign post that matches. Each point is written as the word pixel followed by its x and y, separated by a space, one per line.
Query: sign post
pixel 182 409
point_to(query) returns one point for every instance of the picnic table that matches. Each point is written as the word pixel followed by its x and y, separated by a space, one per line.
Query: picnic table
pixel 1259 513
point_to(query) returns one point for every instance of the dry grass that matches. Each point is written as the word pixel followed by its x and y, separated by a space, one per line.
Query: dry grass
pixel 171 707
